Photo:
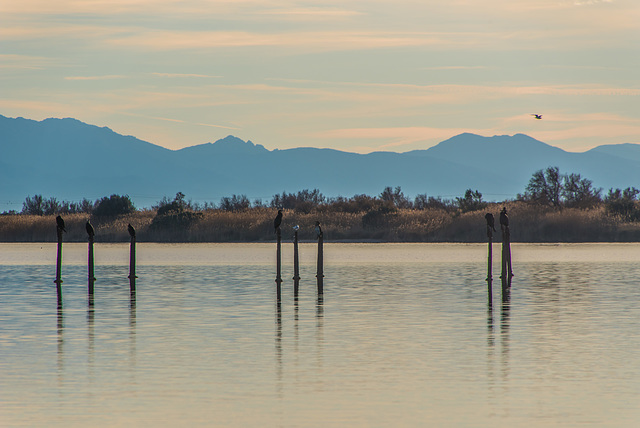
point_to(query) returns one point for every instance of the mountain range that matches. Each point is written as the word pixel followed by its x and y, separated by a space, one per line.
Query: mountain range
pixel 72 160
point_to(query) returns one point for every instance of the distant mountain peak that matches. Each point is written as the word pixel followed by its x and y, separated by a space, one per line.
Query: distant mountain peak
pixel 232 144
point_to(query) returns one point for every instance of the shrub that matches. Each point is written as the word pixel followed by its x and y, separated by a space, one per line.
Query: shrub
pixel 113 205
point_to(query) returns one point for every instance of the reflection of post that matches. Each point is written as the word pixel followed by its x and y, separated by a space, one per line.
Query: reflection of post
pixel 279 345
pixel 278 263
pixel 132 261
pixel 504 336
pixel 296 265
pixel 60 340
pixel 58 279
pixel 90 263
pixel 320 270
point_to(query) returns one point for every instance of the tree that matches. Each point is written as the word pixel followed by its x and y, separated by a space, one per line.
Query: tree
pixel 579 192
pixel 472 201
pixel 545 187
pixel 113 205
pixel 396 197
pixel 33 205
pixel 623 203
pixel 235 203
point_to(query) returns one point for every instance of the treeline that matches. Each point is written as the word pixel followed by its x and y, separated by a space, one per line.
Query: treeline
pixel 554 207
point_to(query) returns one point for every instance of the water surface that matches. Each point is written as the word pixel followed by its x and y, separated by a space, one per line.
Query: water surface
pixel 403 337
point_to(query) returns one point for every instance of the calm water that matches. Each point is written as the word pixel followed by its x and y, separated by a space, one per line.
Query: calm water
pixel 403 337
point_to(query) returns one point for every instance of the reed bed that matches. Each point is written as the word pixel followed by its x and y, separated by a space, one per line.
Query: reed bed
pixel 529 223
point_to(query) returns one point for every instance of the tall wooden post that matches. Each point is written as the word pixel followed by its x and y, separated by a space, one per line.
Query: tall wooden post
pixel 296 265
pixel 320 269
pixel 278 263
pixel 58 279
pixel 90 264
pixel 490 265
pixel 132 264
pixel 507 272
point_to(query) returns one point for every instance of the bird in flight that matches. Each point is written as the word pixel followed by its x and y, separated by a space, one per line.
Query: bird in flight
pixel 277 221
pixel 60 223
pixel 537 116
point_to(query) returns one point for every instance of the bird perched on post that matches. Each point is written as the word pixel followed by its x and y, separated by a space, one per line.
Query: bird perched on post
pixel 132 231
pixel 491 221
pixel 318 230
pixel 504 219
pixel 90 230
pixel 537 116
pixel 277 221
pixel 60 224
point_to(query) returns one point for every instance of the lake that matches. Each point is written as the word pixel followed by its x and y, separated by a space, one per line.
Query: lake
pixel 404 336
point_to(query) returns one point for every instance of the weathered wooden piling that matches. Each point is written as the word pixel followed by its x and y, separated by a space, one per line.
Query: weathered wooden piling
pixel 90 263
pixel 296 264
pixel 506 272
pixel 278 263
pixel 132 260
pixel 59 229
pixel 490 264
pixel 320 268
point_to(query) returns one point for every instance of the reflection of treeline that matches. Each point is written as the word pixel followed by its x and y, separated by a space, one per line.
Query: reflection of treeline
pixel 553 207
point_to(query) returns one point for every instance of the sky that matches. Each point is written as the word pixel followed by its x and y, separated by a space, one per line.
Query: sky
pixel 352 75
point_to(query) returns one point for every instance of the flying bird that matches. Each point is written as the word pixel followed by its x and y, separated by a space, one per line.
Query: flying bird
pixel 60 224
pixel 318 229
pixel 504 219
pixel 90 230
pixel 491 221
pixel 537 116
pixel 277 221
pixel 131 230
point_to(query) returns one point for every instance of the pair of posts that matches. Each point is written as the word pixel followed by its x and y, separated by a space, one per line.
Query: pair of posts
pixel 296 264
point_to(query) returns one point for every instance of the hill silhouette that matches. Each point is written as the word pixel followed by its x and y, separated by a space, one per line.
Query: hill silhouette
pixel 69 159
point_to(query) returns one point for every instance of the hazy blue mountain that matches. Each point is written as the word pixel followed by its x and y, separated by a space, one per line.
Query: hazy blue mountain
pixel 70 160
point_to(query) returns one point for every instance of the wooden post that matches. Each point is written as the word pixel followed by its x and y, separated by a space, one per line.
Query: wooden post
pixel 58 279
pixel 490 265
pixel 132 265
pixel 296 265
pixel 90 263
pixel 320 269
pixel 278 263
pixel 507 272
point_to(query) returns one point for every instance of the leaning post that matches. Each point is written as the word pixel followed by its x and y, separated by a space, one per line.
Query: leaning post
pixel 490 264
pixel 278 263
pixel 296 264
pixel 320 269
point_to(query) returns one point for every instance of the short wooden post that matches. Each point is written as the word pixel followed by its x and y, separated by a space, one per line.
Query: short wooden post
pixel 278 263
pixel 58 279
pixel 90 263
pixel 320 269
pixel 296 265
pixel 132 261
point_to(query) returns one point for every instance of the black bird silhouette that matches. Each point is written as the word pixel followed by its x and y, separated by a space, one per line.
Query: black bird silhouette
pixel 491 221
pixel 318 229
pixel 537 116
pixel 131 230
pixel 60 223
pixel 278 220
pixel 504 219
pixel 90 230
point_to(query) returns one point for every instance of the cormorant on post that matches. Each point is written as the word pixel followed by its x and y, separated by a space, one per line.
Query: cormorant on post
pixel 491 221
pixel 277 221
pixel 60 223
pixel 537 116
pixel 90 230
pixel 504 219
pixel 318 229
pixel 132 231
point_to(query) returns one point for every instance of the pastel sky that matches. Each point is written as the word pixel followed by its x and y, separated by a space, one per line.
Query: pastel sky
pixel 354 75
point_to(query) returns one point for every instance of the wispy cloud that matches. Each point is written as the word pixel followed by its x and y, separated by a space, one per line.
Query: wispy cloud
pixel 185 75
pixel 105 77
pixel 168 119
